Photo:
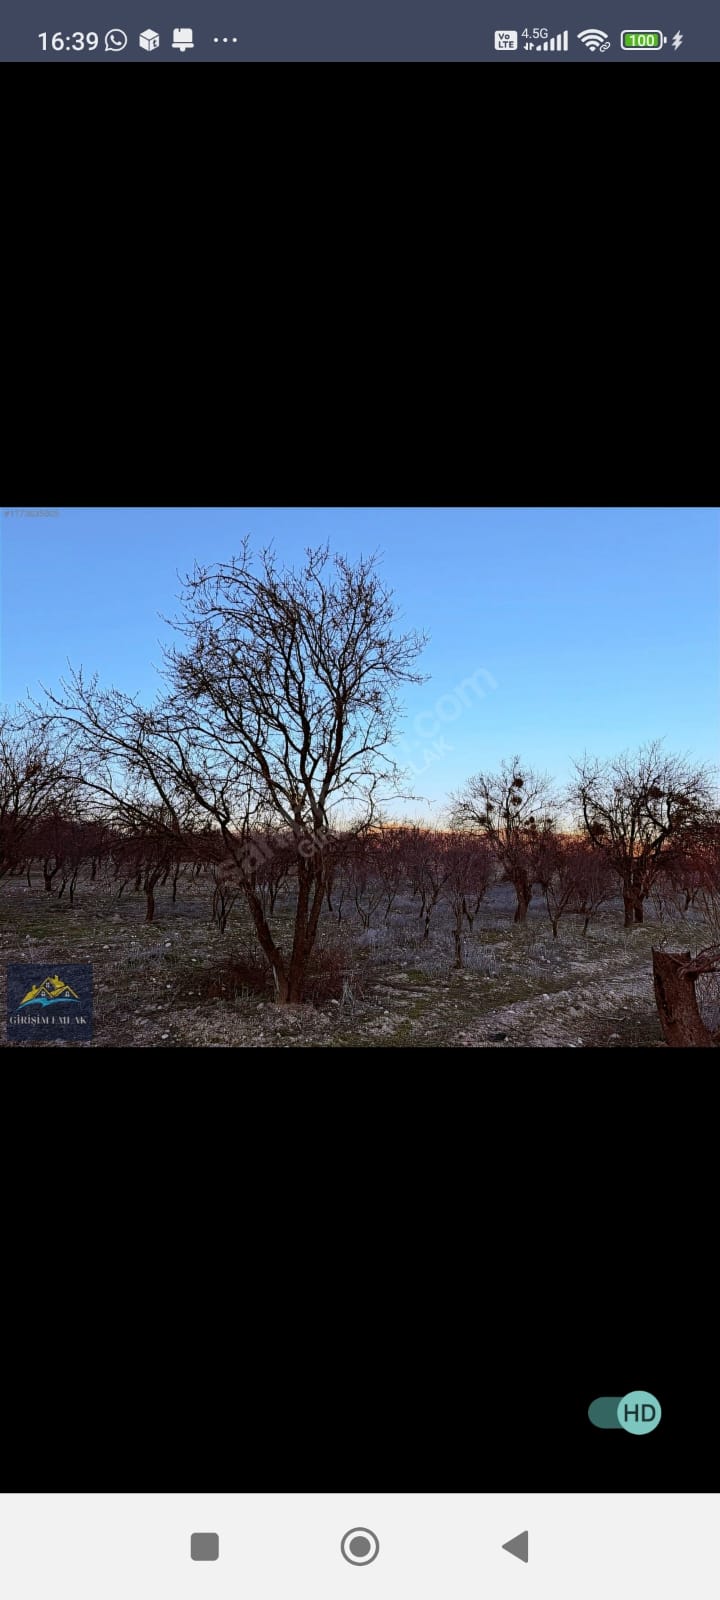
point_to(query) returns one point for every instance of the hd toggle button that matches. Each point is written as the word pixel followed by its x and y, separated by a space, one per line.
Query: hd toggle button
pixel 637 1412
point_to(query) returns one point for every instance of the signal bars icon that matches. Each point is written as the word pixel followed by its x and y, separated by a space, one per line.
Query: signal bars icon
pixel 559 42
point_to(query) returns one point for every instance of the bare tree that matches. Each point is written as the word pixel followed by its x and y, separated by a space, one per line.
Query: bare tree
pixel 674 977
pixel 575 879
pixel 227 889
pixel 468 873
pixel 596 883
pixel 677 975
pixel 47 841
pixel 389 849
pixel 515 810
pixel 368 889
pixel 281 708
pixel 146 849
pixel 634 808
pixel 31 780
pixel 705 855
pixel 426 868
pixel 338 871
pixel 558 874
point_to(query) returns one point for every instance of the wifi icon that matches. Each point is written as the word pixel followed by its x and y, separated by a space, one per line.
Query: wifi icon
pixel 594 38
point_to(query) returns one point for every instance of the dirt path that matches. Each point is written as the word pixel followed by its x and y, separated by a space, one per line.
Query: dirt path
pixel 607 1002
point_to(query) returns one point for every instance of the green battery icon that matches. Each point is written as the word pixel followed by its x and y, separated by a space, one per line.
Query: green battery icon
pixel 646 39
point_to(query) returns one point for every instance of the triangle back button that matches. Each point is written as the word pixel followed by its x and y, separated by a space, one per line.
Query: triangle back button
pixel 518 1546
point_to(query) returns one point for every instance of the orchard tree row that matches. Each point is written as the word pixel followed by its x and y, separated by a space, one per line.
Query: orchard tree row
pixel 267 761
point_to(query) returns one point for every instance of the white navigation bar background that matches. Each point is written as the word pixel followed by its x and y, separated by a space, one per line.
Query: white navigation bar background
pixel 432 1547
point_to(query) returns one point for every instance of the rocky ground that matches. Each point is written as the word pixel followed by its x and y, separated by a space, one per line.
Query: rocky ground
pixel 170 983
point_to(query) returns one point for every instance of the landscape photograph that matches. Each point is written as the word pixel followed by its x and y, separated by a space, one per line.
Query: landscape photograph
pixel 360 777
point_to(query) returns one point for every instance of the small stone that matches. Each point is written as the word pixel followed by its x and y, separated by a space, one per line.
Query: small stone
pixel 164 1036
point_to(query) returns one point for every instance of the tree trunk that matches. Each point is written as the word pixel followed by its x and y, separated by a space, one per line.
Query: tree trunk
pixel 633 903
pixel 457 935
pixel 311 893
pixel 306 915
pixel 586 925
pixel 267 943
pixel 391 903
pixel 150 901
pixel 633 908
pixel 431 907
pixel 294 989
pixel 48 881
pixel 298 963
pixel 523 891
pixel 676 1001
pixel 554 927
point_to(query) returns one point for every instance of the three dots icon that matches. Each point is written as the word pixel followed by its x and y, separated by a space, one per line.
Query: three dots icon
pixel 226 40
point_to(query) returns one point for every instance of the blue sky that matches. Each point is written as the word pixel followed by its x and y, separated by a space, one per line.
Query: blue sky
pixel 584 629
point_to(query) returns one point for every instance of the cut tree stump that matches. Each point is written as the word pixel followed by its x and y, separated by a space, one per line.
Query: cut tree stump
pixel 676 1000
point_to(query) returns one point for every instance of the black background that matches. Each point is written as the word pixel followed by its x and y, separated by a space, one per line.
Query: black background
pixel 299 1295
pixel 285 1276
pixel 359 1410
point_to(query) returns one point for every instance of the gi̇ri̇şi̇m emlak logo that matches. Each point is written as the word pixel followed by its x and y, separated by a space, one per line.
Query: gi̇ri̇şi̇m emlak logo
pixel 49 993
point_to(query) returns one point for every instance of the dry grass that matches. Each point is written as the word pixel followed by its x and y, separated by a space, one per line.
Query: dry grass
pixel 180 982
